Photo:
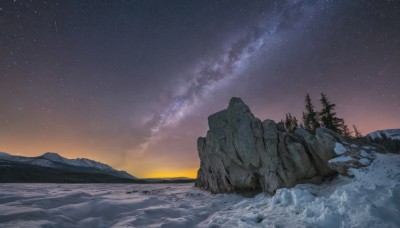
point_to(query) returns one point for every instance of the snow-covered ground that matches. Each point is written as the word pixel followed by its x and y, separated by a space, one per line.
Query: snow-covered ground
pixel 371 199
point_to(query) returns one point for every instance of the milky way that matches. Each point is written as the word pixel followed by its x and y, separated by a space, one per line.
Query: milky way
pixel 211 74
pixel 131 84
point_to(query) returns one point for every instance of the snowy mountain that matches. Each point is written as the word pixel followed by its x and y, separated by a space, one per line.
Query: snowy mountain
pixel 393 134
pixel 51 162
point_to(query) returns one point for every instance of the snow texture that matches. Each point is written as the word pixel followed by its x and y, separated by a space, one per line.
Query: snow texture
pixel 339 148
pixel 389 133
pixel 341 159
pixel 371 199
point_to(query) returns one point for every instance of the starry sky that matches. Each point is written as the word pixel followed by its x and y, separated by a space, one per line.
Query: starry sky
pixel 131 83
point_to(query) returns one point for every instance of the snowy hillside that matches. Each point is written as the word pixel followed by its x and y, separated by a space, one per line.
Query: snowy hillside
pixel 83 162
pixel 371 199
pixel 55 161
pixel 389 133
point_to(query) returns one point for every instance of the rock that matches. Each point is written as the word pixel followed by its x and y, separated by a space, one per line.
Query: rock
pixel 277 169
pixel 241 135
pixel 320 153
pixel 303 166
pixel 336 135
pixel 281 127
pixel 326 141
pixel 353 156
pixel 241 153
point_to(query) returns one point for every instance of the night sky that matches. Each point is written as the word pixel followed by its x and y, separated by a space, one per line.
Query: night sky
pixel 131 83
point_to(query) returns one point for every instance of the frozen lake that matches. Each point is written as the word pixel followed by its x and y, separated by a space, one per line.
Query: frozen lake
pixel 371 199
pixel 105 205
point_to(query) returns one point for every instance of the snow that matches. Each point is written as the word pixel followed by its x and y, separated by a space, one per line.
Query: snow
pixel 54 160
pixel 389 133
pixel 48 158
pixel 368 147
pixel 364 154
pixel 82 162
pixel 4 155
pixel 341 159
pixel 364 161
pixel 339 148
pixel 53 156
pixel 371 199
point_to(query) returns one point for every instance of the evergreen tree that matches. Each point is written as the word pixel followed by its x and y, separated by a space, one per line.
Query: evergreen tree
pixel 328 117
pixel 310 117
pixel 357 133
pixel 295 123
pixel 306 123
pixel 291 123
pixel 346 132
pixel 287 122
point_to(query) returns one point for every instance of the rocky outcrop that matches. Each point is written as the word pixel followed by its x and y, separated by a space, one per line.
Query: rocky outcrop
pixel 352 156
pixel 242 153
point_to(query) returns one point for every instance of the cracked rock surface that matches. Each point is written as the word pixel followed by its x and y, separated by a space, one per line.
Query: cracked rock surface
pixel 241 153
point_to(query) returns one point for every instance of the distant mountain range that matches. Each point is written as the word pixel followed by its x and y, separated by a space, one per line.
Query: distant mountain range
pixel 53 168
pixel 393 134
pixel 389 138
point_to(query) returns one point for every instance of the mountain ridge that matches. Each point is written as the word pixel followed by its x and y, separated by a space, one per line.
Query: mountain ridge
pixel 393 134
pixel 54 160
pixel 51 167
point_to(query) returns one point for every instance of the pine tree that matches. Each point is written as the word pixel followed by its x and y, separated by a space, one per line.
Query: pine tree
pixel 346 132
pixel 328 116
pixel 295 123
pixel 287 122
pixel 291 123
pixel 310 117
pixel 306 122
pixel 357 133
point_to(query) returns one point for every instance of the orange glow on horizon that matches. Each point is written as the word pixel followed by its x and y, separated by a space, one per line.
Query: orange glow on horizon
pixel 72 152
pixel 165 173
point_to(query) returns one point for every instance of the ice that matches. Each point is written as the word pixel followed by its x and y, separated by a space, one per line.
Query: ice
pixel 370 199
pixel 339 148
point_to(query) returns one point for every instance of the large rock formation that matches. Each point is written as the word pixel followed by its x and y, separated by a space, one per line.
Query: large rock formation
pixel 242 153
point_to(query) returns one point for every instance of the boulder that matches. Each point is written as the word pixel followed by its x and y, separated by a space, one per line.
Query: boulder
pixel 352 156
pixel 241 153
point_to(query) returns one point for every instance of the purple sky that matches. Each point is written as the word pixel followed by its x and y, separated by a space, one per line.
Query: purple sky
pixel 131 84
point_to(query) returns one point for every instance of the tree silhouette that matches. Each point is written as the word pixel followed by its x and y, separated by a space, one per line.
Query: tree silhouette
pixel 357 133
pixel 291 123
pixel 328 117
pixel 310 117
pixel 346 131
